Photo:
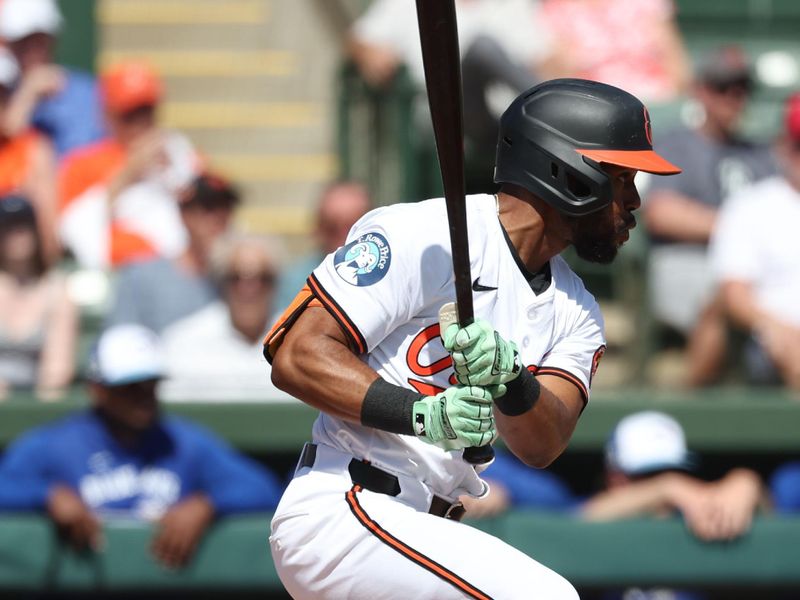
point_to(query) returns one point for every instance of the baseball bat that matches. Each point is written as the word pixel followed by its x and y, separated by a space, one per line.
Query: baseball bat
pixel 438 34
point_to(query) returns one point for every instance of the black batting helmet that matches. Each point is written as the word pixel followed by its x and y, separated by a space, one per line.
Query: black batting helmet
pixel 554 135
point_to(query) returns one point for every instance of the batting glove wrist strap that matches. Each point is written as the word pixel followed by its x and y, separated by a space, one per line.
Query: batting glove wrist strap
pixel 521 395
pixel 389 407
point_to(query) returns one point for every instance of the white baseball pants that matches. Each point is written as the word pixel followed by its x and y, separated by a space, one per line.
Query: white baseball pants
pixel 333 540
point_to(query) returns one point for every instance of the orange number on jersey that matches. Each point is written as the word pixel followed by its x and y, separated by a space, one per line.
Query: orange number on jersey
pixel 419 342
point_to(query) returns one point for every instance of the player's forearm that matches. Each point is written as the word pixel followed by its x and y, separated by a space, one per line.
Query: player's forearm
pixel 540 435
pixel 315 365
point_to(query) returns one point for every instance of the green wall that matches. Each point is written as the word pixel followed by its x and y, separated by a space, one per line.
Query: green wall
pixel 77 44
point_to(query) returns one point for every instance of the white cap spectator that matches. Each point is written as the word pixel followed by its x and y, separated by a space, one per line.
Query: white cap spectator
pixel 9 70
pixel 126 354
pixel 647 442
pixel 21 18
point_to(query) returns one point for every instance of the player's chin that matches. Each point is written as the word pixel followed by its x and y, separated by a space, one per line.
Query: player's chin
pixel 600 252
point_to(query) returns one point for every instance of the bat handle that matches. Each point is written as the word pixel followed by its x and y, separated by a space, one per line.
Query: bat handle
pixel 476 455
pixel 479 455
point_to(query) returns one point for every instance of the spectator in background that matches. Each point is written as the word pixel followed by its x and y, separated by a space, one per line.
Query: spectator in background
pixel 680 213
pixel 156 293
pixel 386 36
pixel 633 45
pixel 60 102
pixel 755 255
pixel 27 164
pixel 122 459
pixel 38 322
pixel 216 353
pixel 502 44
pixel 118 196
pixel 648 472
pixel 341 204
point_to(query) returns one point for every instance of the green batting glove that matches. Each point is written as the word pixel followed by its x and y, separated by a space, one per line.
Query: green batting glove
pixel 481 356
pixel 459 417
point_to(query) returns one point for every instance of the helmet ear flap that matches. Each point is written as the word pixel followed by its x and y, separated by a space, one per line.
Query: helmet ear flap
pixel 551 168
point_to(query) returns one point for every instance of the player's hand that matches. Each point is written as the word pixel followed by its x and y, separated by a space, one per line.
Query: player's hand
pixel 459 417
pixel 181 529
pixel 481 356
pixel 73 519
pixel 496 502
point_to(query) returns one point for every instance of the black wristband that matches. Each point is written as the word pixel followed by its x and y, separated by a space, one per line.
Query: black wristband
pixel 389 407
pixel 521 395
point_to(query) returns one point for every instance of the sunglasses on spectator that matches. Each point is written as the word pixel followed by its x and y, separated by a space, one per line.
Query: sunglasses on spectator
pixel 264 278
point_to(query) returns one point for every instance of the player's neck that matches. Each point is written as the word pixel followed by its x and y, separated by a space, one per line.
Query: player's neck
pixel 528 223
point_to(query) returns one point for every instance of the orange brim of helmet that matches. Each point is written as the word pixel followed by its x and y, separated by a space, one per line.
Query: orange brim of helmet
pixel 643 160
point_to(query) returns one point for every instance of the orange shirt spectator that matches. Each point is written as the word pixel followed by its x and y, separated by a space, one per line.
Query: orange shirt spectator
pixel 633 45
pixel 117 197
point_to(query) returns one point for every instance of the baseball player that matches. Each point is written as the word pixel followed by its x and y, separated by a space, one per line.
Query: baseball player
pixel 372 510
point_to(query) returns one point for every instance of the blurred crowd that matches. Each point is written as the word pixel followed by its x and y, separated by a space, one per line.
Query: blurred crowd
pixel 733 323
pixel 91 180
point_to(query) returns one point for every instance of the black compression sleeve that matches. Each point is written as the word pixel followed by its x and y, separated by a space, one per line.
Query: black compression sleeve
pixel 521 395
pixel 389 407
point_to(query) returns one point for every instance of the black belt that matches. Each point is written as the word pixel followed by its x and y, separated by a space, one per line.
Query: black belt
pixel 377 480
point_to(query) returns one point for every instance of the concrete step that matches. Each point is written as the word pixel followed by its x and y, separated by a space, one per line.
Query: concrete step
pixel 277 140
pixel 251 82
pixel 181 12
pixel 210 62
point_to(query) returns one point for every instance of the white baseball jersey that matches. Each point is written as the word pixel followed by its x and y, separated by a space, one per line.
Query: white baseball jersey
pixel 385 288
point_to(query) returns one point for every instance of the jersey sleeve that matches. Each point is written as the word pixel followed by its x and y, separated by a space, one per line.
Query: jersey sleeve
pixel 24 474
pixel 233 482
pixel 576 353
pixel 389 270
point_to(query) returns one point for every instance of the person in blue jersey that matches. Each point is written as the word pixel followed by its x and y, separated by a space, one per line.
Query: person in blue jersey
pixel 122 458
